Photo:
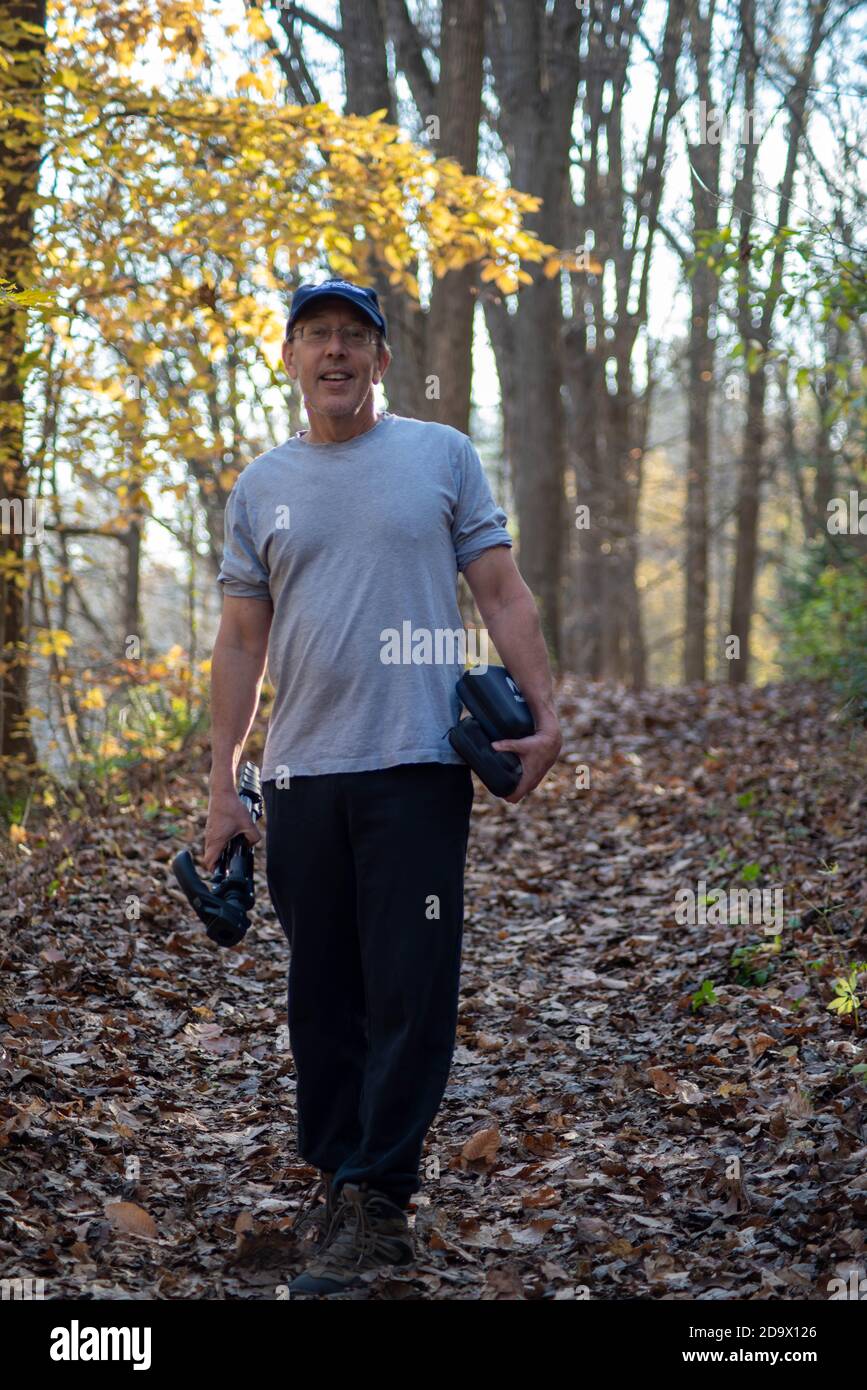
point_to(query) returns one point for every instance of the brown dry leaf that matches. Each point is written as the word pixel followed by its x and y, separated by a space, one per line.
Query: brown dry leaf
pixel 591 1229
pixel 663 1081
pixel 544 1143
pixel 483 1144
pixel 504 1282
pixel 757 1043
pixel 799 1104
pixel 132 1219
pixel 542 1197
pixel 622 1249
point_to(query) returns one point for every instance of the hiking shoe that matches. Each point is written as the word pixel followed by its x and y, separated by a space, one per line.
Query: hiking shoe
pixel 368 1232
pixel 316 1211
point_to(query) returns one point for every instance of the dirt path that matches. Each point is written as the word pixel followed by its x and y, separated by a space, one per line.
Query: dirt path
pixel 598 1133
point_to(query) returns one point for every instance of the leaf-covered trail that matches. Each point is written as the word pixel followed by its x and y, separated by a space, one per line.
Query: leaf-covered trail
pixel 598 1134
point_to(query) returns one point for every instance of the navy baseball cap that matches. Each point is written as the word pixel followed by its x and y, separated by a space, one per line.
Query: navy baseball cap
pixel 364 299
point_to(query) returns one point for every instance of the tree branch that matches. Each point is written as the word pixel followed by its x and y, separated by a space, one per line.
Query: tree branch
pixel 409 56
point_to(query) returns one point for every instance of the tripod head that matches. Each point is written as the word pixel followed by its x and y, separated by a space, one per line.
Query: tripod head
pixel 224 906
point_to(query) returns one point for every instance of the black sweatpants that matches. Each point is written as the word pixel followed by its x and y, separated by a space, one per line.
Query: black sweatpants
pixel 366 873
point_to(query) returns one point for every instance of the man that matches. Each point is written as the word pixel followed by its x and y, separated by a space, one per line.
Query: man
pixel 348 531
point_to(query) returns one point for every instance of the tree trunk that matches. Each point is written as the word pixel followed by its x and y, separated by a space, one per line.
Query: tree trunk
pixel 749 491
pixel 534 54
pixel 20 141
pixel 746 559
pixel 132 604
pixel 705 160
pixel 450 317
pixel 365 71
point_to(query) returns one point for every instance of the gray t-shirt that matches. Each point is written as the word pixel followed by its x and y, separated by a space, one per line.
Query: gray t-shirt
pixel 359 545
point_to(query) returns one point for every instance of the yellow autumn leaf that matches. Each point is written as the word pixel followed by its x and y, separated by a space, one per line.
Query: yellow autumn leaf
pixel 257 24
pixel 506 282
pixel 249 80
pixel 53 641
pixel 94 699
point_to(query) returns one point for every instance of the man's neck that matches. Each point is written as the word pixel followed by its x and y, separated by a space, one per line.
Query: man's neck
pixel 337 431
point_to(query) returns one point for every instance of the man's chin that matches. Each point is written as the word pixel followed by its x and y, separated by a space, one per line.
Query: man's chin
pixel 335 409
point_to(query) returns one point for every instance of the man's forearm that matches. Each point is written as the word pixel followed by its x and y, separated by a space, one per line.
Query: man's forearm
pixel 236 683
pixel 517 634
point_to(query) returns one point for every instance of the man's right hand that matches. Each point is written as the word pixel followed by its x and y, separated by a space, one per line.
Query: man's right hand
pixel 227 817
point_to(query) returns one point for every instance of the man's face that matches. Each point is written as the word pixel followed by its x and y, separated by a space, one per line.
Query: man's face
pixel 336 378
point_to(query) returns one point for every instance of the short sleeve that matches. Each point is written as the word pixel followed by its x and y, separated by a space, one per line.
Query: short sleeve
pixel 242 573
pixel 478 522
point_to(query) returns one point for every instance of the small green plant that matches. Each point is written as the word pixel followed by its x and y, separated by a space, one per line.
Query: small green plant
pixel 705 994
pixel 755 963
pixel 717 861
pixel 846 999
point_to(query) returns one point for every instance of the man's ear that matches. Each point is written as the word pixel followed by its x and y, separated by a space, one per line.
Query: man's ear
pixel 382 362
pixel 287 354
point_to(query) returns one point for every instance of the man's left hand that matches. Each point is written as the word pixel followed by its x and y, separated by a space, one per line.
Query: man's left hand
pixel 537 753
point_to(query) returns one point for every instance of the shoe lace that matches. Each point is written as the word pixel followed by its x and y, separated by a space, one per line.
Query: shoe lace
pixel 351 1228
pixel 309 1206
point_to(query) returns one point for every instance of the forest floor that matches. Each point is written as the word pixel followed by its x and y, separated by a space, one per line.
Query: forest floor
pixel 630 1113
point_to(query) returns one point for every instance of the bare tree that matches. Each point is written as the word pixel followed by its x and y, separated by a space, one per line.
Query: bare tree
pixel 616 226
pixel 534 55
pixel 755 330
pixel 459 105
pixel 704 159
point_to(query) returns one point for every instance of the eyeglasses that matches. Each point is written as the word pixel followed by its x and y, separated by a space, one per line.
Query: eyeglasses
pixel 318 334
